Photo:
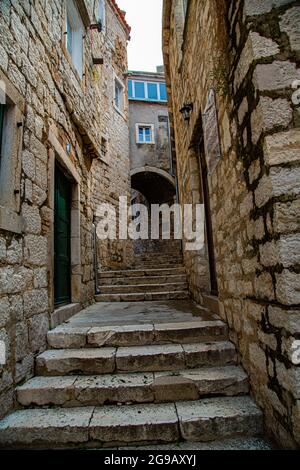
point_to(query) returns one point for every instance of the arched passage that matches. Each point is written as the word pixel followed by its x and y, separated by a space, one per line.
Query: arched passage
pixel 155 184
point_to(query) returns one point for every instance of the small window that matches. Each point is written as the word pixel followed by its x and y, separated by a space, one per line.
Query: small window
pixel 100 14
pixel 145 133
pixel 74 36
pixel 119 95
pixel 139 90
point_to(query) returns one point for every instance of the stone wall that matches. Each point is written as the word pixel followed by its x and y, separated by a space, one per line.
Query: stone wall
pixel 248 51
pixel 54 108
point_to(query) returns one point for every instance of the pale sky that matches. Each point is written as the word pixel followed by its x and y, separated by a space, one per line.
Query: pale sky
pixel 145 19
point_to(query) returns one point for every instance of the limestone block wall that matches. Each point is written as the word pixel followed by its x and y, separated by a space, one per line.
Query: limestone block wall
pixel 248 51
pixel 55 108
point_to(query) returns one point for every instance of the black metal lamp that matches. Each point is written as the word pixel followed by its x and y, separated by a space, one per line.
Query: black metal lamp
pixel 186 111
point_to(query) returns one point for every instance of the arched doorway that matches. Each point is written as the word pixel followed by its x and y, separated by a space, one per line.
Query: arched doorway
pixel 156 185
pixel 152 185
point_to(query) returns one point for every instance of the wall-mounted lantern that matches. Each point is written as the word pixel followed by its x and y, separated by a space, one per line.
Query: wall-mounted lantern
pixel 186 111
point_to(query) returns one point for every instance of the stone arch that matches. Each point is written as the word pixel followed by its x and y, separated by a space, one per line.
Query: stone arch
pixel 157 185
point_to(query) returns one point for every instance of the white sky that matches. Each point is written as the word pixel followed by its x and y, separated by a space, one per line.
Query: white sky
pixel 145 19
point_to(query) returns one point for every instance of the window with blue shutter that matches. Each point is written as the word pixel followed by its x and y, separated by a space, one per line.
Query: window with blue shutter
pixel 163 91
pixel 130 95
pixel 139 90
pixel 152 91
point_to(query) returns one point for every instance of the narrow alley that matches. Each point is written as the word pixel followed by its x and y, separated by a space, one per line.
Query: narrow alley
pixel 149 225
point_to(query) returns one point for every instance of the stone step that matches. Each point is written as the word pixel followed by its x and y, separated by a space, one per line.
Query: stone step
pixel 234 443
pixel 142 272
pixel 168 357
pixel 156 263
pixel 142 296
pixel 197 421
pixel 137 288
pixel 170 256
pixel 68 337
pixel 133 388
pixel 146 280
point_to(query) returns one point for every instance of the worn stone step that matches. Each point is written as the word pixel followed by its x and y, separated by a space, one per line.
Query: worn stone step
pixel 133 388
pixel 234 443
pixel 121 289
pixel 135 359
pixel 155 263
pixel 146 280
pixel 217 418
pixel 142 296
pixel 142 272
pixel 202 421
pixel 67 337
pixel 149 258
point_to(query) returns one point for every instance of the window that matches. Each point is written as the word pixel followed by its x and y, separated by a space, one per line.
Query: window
pixel 139 90
pixel 152 91
pixel 100 14
pixel 163 92
pixel 12 106
pixel 119 95
pixel 145 134
pixel 74 36
pixel 130 89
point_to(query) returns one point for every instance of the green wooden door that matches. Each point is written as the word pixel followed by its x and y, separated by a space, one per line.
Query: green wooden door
pixel 62 239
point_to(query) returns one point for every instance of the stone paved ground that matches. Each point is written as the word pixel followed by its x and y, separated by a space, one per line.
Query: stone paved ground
pixel 137 313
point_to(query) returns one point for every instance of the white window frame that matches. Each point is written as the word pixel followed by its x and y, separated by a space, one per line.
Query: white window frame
pixel 137 133
pixel 77 33
pixel 146 90
pixel 121 85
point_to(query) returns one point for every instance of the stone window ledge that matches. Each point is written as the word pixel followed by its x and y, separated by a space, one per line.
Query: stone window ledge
pixel 10 221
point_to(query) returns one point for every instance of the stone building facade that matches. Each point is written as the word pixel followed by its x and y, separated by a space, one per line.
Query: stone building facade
pixel 148 112
pixel 152 169
pixel 233 68
pixel 64 149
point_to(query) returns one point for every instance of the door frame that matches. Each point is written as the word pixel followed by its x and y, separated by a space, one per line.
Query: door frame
pixel 58 154
pixel 60 174
pixel 200 150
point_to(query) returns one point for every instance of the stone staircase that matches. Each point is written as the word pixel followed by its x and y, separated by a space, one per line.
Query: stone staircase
pixel 150 283
pixel 136 384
